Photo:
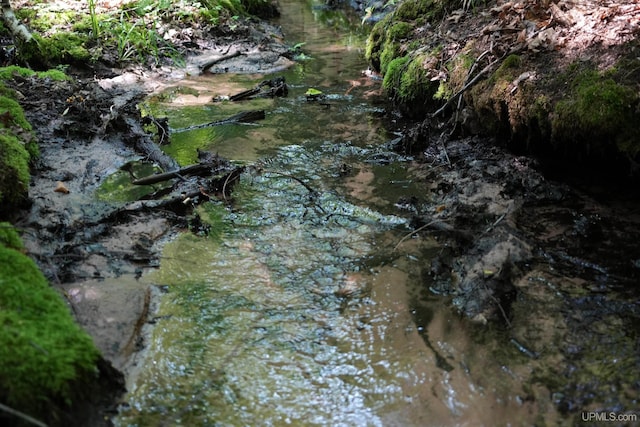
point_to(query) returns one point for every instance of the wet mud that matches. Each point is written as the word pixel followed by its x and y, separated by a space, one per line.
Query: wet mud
pixel 551 268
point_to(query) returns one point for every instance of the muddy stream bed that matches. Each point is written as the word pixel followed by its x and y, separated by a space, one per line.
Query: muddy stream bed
pixel 329 287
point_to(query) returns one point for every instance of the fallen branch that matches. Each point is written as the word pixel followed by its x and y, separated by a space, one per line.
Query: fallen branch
pixel 208 64
pixel 277 87
pixel 473 81
pixel 464 88
pixel 143 144
pixel 429 224
pixel 184 199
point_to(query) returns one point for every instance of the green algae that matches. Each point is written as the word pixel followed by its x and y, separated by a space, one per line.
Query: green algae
pixel 117 187
pixel 43 352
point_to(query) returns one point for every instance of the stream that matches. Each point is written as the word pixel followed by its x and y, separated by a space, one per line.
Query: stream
pixel 296 305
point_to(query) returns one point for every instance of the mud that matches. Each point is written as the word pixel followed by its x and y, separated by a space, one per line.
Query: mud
pixel 552 267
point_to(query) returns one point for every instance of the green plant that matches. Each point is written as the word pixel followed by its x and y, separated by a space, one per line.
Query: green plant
pixel 95 27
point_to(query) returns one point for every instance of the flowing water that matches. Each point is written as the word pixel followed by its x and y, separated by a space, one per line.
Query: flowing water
pixel 297 308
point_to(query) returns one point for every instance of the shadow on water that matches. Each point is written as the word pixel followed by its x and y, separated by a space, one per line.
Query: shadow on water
pixel 299 306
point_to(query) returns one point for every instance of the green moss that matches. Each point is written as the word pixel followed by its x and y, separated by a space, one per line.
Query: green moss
pixel 390 52
pixel 42 350
pixel 458 71
pixel 394 73
pixel 408 83
pixel 54 74
pixel 14 173
pixel 599 114
pixel 415 85
pixel 17 148
pixel 430 10
pixel 506 70
pixel 13 113
pixel 9 236
pixel 399 31
pixel 8 73
pixel 60 48
pixel 43 21
pixel 375 41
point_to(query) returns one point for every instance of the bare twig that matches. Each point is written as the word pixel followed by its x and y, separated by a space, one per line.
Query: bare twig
pixel 22 415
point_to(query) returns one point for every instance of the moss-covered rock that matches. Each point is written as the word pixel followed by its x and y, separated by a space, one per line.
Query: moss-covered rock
pixel 422 10
pixel 43 352
pixel 580 114
pixel 18 147
pixel 9 237
pixel 14 173
pixel 384 42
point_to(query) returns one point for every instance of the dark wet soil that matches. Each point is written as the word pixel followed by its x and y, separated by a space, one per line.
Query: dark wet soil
pixel 554 268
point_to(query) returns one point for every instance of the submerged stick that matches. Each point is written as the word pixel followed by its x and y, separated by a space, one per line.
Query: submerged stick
pixel 241 117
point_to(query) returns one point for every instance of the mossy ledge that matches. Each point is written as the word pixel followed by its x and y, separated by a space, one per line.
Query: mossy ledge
pixel 47 362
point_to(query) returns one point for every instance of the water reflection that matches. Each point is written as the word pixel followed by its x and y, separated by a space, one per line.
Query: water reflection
pixel 297 309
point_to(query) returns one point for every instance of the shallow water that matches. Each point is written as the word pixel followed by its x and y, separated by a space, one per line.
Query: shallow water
pixel 296 309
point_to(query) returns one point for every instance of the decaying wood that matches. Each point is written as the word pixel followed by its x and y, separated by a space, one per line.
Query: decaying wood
pixel 144 145
pixel 245 94
pixel 182 200
pixel 241 117
pixel 199 169
pixel 17 28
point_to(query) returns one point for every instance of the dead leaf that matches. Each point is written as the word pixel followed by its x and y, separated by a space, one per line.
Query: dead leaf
pixel 61 188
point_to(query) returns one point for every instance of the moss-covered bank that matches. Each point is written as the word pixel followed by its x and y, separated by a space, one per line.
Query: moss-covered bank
pixel 18 147
pixel 524 89
pixel 45 357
